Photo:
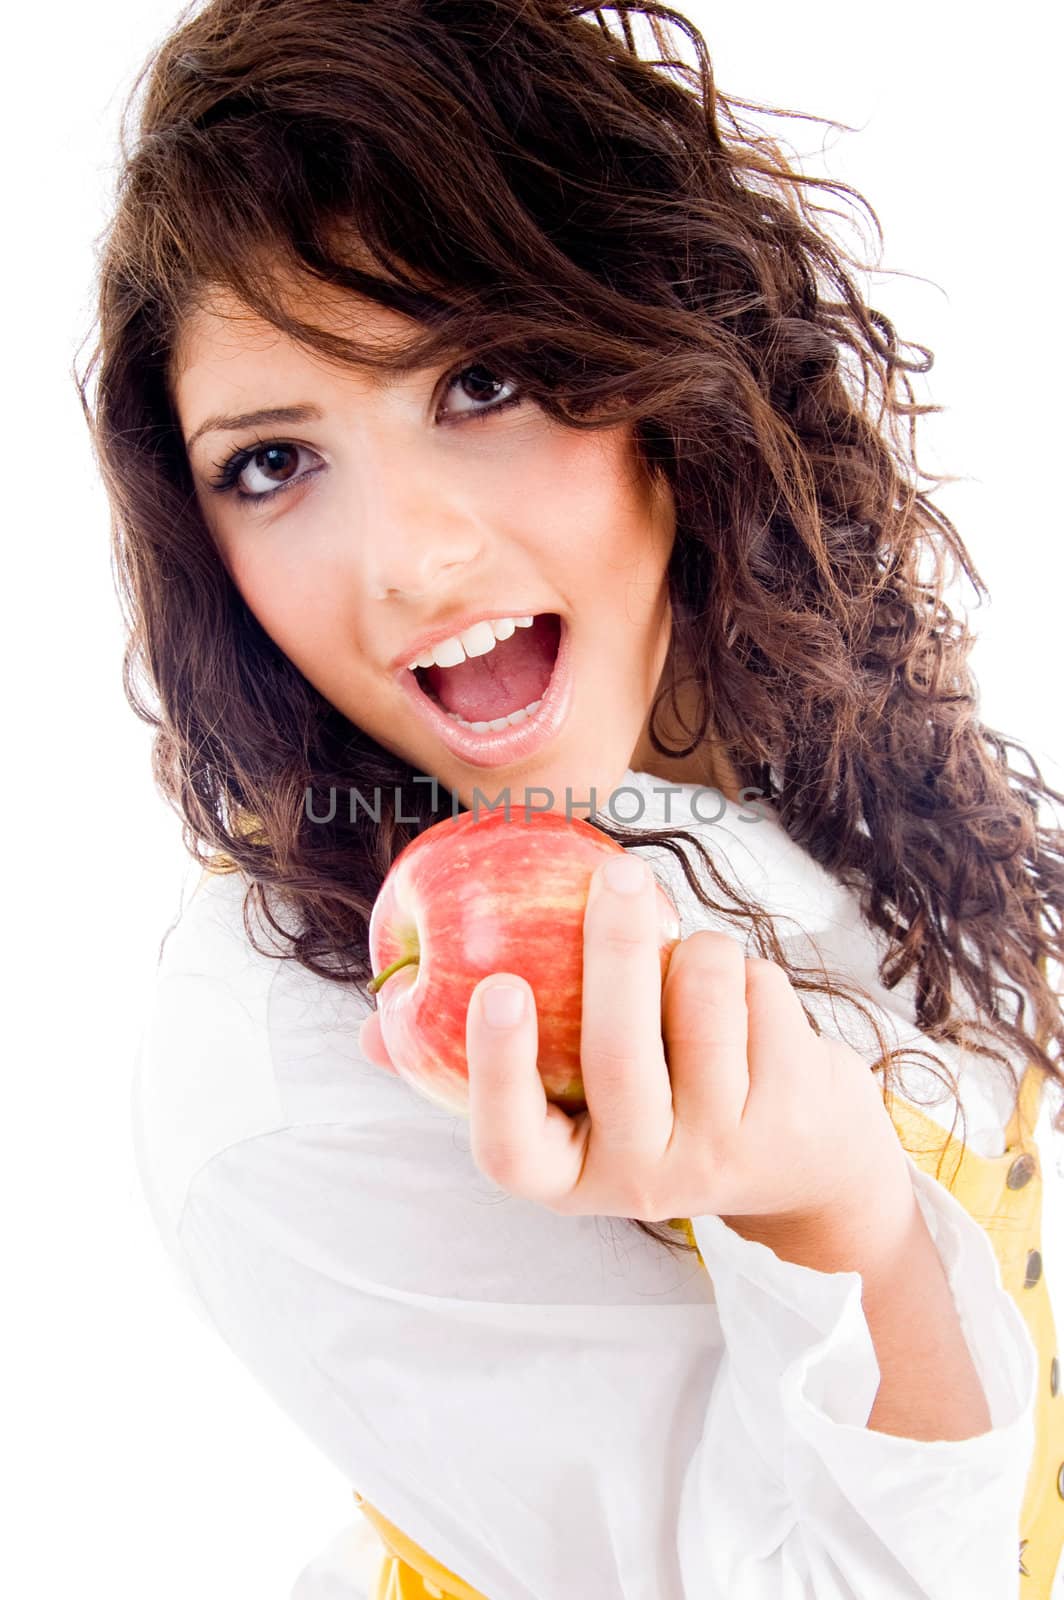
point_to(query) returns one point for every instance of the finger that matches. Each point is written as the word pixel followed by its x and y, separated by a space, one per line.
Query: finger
pixel 517 1137
pixel 788 1080
pixel 622 1057
pixel 777 1019
pixel 705 1024
pixel 371 1043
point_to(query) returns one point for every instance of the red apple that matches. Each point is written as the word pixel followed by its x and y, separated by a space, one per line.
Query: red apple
pixel 483 893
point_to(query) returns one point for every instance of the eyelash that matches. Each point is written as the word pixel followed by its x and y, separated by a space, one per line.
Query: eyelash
pixel 229 470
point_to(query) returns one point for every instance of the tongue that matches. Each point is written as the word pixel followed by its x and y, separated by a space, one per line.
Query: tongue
pixel 512 675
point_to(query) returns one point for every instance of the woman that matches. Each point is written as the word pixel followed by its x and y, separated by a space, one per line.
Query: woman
pixel 425 319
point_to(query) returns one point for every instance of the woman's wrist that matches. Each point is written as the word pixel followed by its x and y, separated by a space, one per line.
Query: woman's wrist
pixel 863 1230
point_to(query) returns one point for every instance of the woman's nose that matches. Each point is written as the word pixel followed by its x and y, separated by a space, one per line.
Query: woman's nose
pixel 419 541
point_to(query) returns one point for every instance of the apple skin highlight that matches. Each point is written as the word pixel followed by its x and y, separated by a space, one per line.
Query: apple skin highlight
pixel 472 896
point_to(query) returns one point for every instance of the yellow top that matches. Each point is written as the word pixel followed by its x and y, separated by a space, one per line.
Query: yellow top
pixel 1004 1194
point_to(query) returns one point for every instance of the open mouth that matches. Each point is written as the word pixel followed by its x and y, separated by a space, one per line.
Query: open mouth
pixel 503 687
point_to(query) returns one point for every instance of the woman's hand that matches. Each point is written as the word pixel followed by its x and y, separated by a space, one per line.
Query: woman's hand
pixel 708 1095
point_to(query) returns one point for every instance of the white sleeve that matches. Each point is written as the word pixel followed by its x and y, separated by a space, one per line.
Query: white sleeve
pixel 539 1441
pixel 852 1512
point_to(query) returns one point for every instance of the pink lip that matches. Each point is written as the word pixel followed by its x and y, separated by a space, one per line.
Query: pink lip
pixel 508 745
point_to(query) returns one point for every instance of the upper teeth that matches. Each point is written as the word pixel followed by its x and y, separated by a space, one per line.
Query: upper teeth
pixel 474 641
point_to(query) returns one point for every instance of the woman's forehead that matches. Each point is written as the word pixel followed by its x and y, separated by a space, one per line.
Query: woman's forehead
pixel 218 327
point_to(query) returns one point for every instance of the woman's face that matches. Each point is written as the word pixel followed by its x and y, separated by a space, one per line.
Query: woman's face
pixel 419 508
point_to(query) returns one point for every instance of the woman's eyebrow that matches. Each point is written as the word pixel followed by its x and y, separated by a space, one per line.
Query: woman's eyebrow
pixel 252 419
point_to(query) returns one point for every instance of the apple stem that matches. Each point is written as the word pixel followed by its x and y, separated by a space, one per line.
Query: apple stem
pixel 382 977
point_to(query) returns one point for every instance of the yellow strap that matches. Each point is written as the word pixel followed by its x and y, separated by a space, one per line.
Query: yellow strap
pixel 408 1572
pixel 1024 1118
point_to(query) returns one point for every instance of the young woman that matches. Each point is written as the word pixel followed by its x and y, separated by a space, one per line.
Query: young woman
pixel 485 409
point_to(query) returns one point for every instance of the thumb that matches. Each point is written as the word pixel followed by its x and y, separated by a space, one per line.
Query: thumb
pixel 372 1045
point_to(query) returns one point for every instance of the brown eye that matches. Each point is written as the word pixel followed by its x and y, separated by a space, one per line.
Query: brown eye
pixel 481 385
pixel 262 470
pixel 277 462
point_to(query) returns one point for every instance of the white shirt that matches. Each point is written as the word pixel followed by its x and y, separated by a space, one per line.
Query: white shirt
pixel 557 1406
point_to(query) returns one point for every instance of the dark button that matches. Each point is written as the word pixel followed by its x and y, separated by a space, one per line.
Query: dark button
pixel 1034 1269
pixel 1054 1377
pixel 1022 1171
pixel 1060 1481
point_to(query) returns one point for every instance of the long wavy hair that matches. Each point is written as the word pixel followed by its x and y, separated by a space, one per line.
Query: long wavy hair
pixel 602 227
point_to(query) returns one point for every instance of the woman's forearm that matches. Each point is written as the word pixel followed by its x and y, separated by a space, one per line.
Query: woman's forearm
pixel 929 1388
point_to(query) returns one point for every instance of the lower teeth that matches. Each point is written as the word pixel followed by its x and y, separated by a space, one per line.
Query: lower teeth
pixel 499 722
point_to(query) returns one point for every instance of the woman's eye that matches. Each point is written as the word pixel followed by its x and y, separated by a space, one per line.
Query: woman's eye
pixel 479 385
pixel 260 472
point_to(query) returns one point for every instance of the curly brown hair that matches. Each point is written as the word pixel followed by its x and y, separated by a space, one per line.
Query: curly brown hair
pixel 518 180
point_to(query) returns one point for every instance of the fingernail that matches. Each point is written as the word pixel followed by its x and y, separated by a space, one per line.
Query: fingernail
pixel 626 874
pixel 503 1005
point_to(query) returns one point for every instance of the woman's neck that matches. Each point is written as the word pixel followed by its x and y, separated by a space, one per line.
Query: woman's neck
pixel 707 766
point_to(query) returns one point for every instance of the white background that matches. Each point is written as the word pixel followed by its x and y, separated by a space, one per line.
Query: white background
pixel 143 1459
